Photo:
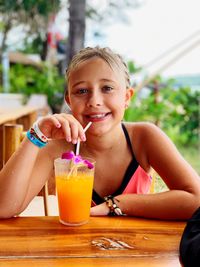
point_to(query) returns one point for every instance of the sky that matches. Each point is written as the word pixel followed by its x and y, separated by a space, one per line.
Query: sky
pixel 153 28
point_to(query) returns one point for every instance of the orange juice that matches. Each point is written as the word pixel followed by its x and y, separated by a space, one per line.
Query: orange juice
pixel 74 183
pixel 74 197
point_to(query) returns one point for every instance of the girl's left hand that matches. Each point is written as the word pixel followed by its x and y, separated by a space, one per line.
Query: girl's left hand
pixel 99 210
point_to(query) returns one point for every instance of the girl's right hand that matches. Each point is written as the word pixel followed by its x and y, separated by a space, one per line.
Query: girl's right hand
pixel 62 126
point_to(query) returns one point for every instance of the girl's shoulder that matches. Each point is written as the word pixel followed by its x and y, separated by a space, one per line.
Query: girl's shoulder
pixel 141 129
pixel 146 138
pixel 147 135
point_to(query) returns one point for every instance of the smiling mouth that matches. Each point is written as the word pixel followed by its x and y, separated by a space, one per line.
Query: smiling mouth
pixel 98 116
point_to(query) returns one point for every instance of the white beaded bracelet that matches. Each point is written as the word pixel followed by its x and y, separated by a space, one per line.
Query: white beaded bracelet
pixel 39 133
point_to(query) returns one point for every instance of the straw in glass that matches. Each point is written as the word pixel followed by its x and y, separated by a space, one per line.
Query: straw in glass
pixel 78 142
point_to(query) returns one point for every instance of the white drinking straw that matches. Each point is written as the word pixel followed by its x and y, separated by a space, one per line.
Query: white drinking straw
pixel 78 142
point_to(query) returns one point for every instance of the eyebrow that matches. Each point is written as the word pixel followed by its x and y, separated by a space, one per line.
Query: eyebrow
pixel 107 80
pixel 77 83
pixel 102 80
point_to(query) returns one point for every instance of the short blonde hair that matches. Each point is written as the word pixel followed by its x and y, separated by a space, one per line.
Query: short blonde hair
pixel 114 60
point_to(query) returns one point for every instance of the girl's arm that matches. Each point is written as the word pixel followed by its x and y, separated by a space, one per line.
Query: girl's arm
pixel 15 177
pixel 155 149
pixel 171 205
pixel 30 167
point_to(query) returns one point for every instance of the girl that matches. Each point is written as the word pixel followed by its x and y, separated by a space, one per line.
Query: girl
pixel 99 91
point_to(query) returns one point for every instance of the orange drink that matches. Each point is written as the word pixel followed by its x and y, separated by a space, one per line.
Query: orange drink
pixel 74 183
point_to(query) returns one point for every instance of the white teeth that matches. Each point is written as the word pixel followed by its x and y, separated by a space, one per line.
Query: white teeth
pixel 98 116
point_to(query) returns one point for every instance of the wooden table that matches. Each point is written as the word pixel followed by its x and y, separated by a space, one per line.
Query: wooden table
pixel 24 115
pixel 104 241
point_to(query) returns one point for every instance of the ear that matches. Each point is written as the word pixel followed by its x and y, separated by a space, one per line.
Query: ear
pixel 129 94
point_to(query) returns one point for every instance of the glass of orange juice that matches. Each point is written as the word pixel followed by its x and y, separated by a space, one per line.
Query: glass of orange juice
pixel 74 184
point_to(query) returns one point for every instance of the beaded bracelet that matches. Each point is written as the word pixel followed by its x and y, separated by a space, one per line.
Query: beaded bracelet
pixel 114 209
pixel 41 136
pixel 33 138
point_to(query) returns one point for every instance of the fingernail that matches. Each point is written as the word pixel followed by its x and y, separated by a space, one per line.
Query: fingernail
pixel 83 138
pixel 74 141
pixel 68 139
pixel 58 125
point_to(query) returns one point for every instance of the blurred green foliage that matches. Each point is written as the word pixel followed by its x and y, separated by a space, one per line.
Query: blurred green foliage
pixel 41 7
pixel 32 16
pixel 176 111
pixel 132 67
pixel 29 80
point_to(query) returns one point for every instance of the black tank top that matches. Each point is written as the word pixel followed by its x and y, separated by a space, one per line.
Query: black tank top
pixel 128 174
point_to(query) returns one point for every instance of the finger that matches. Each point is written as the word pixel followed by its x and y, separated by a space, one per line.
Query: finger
pixel 65 125
pixel 81 133
pixel 77 131
pixel 72 127
pixel 46 123
pixel 74 132
pixel 55 121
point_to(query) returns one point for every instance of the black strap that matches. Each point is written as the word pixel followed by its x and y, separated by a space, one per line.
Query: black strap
pixel 97 198
pixel 128 139
pixel 128 174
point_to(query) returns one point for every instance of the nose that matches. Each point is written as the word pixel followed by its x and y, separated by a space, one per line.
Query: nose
pixel 95 100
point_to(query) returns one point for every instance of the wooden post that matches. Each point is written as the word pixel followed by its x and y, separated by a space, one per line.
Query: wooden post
pixel 27 120
pixel 1 147
pixel 11 139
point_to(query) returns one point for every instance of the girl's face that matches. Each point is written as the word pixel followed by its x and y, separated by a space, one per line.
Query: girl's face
pixel 98 94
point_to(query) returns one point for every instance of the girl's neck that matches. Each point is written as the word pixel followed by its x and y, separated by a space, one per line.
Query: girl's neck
pixel 104 143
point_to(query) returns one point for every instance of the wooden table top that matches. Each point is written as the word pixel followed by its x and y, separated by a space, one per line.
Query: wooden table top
pixel 104 241
pixel 8 114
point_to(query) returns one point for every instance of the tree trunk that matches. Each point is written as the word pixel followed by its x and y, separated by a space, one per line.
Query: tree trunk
pixel 76 35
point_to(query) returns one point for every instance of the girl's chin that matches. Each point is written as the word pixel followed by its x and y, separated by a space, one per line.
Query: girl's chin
pixel 98 129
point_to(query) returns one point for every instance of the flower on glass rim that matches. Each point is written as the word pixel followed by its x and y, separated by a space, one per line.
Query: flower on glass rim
pixel 69 155
pixel 77 159
pixel 88 163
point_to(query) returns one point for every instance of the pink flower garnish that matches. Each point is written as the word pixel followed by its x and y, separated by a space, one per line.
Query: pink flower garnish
pixel 88 163
pixel 77 159
pixel 69 155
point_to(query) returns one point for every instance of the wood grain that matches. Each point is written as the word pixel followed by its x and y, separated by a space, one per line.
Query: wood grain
pixel 93 262
pixel 43 241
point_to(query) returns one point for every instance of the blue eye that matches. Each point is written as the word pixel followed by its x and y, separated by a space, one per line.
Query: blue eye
pixel 82 91
pixel 107 89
